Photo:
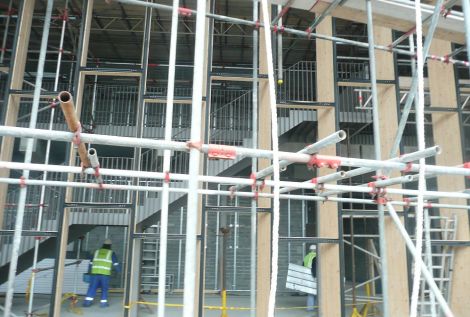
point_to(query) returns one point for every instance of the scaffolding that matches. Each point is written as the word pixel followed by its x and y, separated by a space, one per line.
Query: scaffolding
pixel 271 91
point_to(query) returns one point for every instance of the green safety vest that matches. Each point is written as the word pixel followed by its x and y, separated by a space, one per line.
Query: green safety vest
pixel 308 259
pixel 102 262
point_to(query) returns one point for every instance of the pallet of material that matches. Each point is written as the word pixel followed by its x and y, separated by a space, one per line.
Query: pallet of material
pixel 300 278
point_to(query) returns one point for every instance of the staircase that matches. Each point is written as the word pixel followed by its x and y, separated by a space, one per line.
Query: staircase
pixel 442 257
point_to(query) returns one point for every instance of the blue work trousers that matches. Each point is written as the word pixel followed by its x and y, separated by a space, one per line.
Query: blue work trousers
pixel 98 281
pixel 310 302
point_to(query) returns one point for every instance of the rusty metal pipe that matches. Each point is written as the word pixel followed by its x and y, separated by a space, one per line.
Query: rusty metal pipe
pixel 68 108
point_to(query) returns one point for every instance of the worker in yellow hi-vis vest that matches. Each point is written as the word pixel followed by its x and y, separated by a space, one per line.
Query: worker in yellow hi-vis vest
pixel 310 261
pixel 104 260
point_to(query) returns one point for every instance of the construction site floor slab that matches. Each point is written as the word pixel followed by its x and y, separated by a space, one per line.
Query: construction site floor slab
pixel 287 305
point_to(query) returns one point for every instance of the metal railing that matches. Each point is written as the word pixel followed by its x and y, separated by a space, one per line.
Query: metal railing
pixel 231 123
pixel 353 71
pixel 298 83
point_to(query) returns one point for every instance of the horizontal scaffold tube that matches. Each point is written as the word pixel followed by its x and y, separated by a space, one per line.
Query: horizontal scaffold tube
pixel 406 158
pixel 312 160
pixel 223 180
pixel 306 34
pixel 409 157
pixel 310 149
pixel 142 188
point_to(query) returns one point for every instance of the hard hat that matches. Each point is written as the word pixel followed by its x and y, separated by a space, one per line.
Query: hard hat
pixel 107 241
pixel 313 247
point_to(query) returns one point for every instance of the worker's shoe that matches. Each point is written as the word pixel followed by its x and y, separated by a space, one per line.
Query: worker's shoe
pixel 87 303
pixel 104 304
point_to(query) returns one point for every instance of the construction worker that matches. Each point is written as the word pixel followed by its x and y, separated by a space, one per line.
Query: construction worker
pixel 104 260
pixel 310 261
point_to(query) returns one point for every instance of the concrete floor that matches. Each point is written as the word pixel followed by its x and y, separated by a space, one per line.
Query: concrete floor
pixel 287 306
pixel 292 303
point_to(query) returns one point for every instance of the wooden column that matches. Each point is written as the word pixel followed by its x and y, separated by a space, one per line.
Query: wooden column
pixel 328 254
pixel 63 237
pixel 263 266
pixel 16 76
pixel 447 134
pixel 396 250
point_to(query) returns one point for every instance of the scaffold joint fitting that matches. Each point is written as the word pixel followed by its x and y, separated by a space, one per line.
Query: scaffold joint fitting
pixel 221 152
pixel 318 162
pixel 185 12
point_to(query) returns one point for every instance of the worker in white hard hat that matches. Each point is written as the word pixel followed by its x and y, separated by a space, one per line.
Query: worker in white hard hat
pixel 310 261
pixel 103 262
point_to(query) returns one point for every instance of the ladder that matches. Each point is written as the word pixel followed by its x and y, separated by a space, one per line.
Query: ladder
pixel 442 257
pixel 149 268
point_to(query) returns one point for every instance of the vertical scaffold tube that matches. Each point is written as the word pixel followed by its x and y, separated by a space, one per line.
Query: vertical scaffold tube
pixel 254 164
pixel 421 144
pixel 46 161
pixel 27 160
pixel 194 158
pixel 275 158
pixel 166 162
pixel 280 79
pixel 378 155
pixel 466 14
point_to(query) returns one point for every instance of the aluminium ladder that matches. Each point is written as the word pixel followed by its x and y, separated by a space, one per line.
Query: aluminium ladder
pixel 442 256
pixel 149 268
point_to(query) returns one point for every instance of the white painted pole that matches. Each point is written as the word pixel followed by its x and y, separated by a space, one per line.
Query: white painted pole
pixel 27 159
pixel 421 145
pixel 254 165
pixel 180 146
pixel 166 163
pixel 33 182
pixel 275 157
pixel 194 158
pixel 46 161
pixel 218 179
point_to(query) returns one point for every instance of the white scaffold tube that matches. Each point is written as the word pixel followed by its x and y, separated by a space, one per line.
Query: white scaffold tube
pixel 419 211
pixel 418 261
pixel 363 170
pixel 324 160
pixel 33 182
pixel 166 163
pixel 228 180
pixel 275 157
pixel 194 159
pixel 28 156
pixel 310 149
pixel 46 159
pixel 254 166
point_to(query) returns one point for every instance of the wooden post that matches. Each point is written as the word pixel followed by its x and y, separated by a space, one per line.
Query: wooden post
pixel 263 266
pixel 63 237
pixel 388 117
pixel 328 254
pixel 16 76
pixel 447 134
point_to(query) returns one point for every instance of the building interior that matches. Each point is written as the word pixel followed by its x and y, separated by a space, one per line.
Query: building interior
pixel 212 145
